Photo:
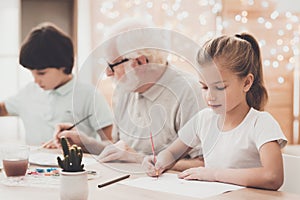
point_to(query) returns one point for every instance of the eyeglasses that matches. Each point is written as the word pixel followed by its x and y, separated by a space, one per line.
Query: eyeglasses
pixel 111 66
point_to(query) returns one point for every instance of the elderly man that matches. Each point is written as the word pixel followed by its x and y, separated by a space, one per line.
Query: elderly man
pixel 152 100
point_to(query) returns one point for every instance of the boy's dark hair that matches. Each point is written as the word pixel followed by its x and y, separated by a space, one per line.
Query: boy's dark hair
pixel 47 46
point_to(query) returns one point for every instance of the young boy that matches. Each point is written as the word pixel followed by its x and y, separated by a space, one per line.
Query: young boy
pixel 55 96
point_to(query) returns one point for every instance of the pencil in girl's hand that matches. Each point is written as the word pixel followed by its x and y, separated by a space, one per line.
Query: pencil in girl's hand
pixel 153 152
pixel 152 147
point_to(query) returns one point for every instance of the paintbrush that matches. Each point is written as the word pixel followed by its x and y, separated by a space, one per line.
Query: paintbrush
pixel 51 140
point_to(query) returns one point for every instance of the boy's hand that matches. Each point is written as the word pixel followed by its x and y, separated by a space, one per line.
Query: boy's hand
pixel 51 144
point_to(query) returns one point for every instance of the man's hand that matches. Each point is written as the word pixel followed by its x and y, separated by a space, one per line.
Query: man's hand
pixel 73 136
pixel 120 151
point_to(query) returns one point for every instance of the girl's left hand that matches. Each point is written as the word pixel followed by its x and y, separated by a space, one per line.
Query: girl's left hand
pixel 198 173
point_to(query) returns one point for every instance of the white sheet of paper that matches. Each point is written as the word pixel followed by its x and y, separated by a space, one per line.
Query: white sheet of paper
pixel 172 184
pixel 50 159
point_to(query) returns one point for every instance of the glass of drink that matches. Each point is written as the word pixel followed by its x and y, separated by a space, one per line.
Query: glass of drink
pixel 15 161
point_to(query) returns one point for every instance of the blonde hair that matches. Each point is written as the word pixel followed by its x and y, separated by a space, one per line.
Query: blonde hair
pixel 241 55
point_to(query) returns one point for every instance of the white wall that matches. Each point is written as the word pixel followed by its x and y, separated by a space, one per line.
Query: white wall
pixel 83 31
pixel 10 73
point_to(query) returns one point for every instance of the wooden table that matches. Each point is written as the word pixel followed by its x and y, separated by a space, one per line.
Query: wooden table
pixel 119 191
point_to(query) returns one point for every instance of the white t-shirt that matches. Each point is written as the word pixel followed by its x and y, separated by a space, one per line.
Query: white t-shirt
pixel 41 110
pixel 237 148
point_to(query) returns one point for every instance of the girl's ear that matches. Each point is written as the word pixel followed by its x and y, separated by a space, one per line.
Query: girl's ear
pixel 248 81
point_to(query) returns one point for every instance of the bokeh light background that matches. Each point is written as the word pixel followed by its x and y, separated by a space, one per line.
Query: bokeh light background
pixel 275 24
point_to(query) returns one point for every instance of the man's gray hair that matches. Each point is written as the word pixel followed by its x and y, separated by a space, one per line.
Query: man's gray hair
pixel 130 37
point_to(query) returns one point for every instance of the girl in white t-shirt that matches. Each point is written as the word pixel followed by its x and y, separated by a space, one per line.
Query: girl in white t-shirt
pixel 241 144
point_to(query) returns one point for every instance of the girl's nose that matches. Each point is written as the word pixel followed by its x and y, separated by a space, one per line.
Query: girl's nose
pixel 210 96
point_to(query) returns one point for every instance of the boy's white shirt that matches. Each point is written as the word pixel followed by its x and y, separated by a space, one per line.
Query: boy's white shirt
pixel 237 148
pixel 42 110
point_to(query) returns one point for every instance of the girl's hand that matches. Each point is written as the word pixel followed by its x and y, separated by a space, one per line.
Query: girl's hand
pixel 198 173
pixel 152 169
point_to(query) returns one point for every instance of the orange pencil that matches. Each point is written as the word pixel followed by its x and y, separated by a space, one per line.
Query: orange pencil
pixel 153 151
